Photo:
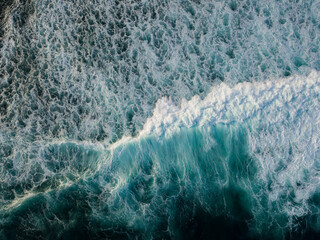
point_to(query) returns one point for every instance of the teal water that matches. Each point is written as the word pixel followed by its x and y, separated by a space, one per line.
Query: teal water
pixel 159 119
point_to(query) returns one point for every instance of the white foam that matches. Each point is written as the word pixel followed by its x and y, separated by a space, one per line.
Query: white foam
pixel 269 100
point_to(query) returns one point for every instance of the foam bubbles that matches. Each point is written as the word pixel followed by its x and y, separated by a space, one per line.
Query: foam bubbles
pixel 77 76
pixel 95 70
pixel 277 101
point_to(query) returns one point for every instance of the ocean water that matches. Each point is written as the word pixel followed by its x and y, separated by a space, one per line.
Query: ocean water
pixel 186 119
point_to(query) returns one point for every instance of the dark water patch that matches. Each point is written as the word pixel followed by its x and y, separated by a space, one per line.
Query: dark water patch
pixel 178 187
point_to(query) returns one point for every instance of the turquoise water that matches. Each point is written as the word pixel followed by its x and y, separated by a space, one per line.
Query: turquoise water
pixel 159 119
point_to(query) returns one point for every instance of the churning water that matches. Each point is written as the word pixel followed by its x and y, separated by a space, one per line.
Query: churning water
pixel 186 119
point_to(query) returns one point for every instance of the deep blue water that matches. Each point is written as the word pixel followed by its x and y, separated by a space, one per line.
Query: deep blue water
pixel 159 119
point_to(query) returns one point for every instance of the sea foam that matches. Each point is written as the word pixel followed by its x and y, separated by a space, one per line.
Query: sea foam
pixel 271 102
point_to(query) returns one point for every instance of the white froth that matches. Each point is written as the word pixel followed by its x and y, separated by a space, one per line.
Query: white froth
pixel 265 101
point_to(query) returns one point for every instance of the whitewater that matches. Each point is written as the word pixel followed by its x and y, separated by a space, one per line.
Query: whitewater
pixel 159 119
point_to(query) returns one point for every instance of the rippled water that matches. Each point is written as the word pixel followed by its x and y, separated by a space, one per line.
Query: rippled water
pixel 159 119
